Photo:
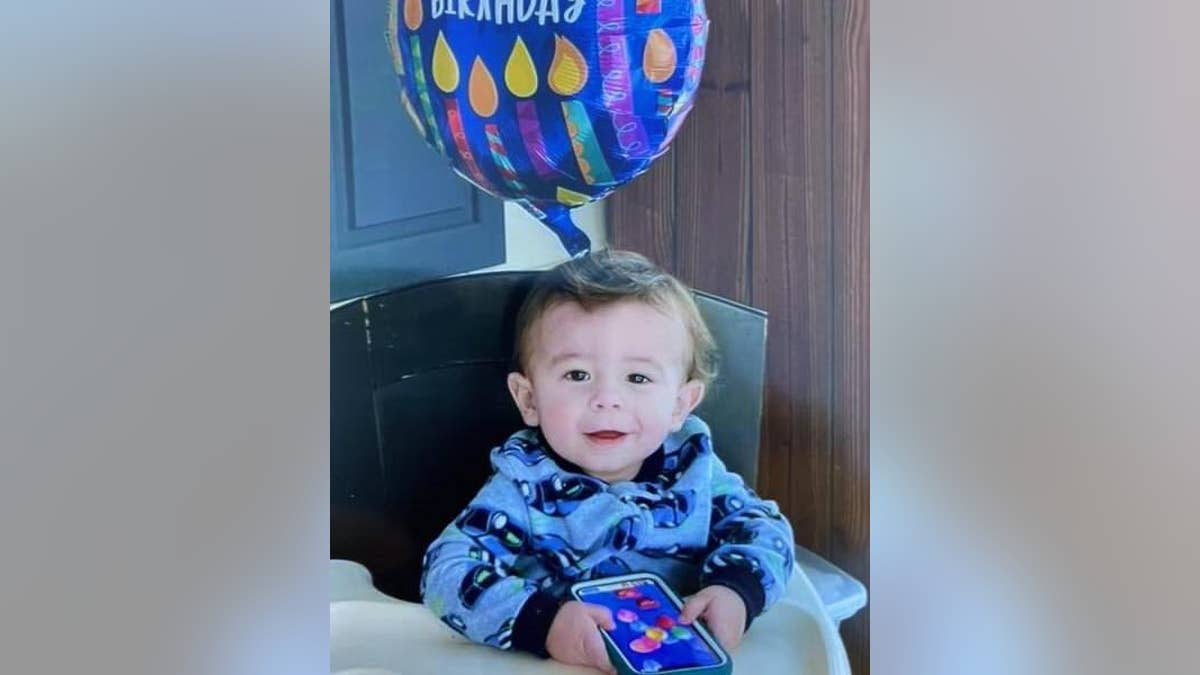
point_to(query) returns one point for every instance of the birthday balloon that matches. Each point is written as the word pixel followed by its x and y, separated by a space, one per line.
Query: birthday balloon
pixel 552 103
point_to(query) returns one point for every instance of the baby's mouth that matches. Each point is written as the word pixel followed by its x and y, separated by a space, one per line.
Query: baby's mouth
pixel 606 435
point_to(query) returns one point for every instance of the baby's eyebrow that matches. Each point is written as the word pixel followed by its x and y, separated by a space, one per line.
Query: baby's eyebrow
pixel 566 356
pixel 644 359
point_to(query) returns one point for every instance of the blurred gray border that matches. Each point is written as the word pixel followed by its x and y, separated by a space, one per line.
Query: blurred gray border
pixel 164 341
pixel 1035 341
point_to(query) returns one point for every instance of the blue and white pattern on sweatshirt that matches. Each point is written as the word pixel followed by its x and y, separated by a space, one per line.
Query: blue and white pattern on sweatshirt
pixel 536 526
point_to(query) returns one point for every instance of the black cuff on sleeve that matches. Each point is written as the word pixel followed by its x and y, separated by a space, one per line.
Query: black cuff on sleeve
pixel 533 623
pixel 743 582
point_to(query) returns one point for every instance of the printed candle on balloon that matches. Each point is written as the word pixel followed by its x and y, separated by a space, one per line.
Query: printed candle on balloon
pixel 568 70
pixel 521 79
pixel 484 98
pixel 658 65
pixel 568 75
pixel 617 87
pixel 446 77
pixel 393 43
pixel 481 90
pixel 412 20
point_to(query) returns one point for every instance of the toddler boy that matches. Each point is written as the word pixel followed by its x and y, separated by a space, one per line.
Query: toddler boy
pixel 613 475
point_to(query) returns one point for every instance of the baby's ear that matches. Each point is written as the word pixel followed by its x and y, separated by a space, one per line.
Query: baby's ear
pixel 690 395
pixel 522 394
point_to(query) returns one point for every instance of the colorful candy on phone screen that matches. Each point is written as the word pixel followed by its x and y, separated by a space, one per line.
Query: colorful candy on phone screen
pixel 646 629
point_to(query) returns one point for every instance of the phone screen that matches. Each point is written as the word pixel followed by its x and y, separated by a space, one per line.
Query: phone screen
pixel 648 632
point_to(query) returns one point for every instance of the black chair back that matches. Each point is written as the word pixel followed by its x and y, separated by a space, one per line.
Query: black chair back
pixel 418 399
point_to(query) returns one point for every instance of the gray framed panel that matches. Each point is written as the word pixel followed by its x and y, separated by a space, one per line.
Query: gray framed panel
pixel 398 213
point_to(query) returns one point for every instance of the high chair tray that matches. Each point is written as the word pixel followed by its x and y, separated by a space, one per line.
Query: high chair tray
pixel 370 632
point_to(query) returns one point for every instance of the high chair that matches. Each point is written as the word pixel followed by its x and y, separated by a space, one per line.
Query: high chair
pixel 417 400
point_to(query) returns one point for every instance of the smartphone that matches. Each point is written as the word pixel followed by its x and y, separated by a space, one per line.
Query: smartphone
pixel 648 637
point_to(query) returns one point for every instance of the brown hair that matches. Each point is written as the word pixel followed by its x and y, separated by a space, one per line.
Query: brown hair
pixel 606 277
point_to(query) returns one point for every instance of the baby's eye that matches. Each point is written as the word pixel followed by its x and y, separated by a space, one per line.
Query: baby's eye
pixel 577 376
pixel 638 378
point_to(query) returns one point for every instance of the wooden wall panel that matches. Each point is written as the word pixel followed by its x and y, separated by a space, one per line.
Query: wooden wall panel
pixel 713 154
pixel 643 219
pixel 792 256
pixel 764 200
pixel 850 480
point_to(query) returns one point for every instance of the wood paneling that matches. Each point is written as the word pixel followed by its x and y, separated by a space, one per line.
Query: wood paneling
pixel 764 200
pixel 713 156
pixel 646 212
pixel 851 497
pixel 792 256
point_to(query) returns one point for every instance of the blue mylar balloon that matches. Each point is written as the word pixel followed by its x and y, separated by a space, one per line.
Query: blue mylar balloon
pixel 552 103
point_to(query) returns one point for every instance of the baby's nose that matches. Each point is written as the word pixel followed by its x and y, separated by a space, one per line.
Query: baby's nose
pixel 606 399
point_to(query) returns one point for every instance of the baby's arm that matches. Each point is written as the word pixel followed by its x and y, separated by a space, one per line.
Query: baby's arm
pixel 471 577
pixel 751 546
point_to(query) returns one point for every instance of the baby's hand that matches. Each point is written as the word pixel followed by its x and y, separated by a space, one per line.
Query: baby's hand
pixel 723 612
pixel 574 636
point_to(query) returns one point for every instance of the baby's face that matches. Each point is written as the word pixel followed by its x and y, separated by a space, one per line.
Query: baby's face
pixel 607 386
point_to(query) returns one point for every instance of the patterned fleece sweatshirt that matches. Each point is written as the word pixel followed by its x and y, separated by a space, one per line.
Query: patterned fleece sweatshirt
pixel 500 571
